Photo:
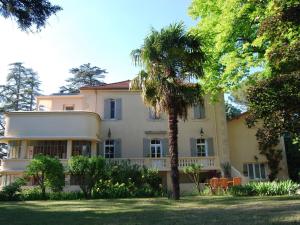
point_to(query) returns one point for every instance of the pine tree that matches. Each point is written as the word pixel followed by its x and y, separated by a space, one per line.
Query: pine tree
pixel 85 75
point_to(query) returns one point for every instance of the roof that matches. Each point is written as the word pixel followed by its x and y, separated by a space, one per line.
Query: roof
pixel 122 85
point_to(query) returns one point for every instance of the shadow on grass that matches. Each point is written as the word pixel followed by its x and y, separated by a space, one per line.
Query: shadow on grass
pixel 199 210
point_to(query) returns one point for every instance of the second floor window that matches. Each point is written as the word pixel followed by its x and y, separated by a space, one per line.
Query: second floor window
pixel 14 149
pixel 112 109
pixel 199 111
pixel 201 147
pixel 109 149
pixel 155 148
pixel 153 114
pixel 51 148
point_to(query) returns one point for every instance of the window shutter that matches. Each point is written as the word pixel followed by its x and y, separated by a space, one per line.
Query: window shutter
pixel 119 108
pixel 151 116
pixel 100 149
pixel 210 146
pixel 118 148
pixel 202 111
pixel 146 147
pixel 196 112
pixel 165 147
pixel 245 170
pixel 106 109
pixel 193 146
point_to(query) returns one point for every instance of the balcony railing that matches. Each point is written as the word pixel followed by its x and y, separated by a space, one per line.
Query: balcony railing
pixel 161 164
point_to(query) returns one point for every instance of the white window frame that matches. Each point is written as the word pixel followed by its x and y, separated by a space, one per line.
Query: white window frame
pixel 156 146
pixel 199 144
pixel 255 177
pixel 115 109
pixel 111 144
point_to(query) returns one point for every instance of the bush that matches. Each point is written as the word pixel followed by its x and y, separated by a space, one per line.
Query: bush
pixel 11 191
pixel 287 187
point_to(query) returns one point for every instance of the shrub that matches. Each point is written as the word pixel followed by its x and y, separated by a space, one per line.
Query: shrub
pixel 48 172
pixel 89 171
pixel 11 191
pixel 287 187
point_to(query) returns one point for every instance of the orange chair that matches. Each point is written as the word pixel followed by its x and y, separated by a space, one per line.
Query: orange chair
pixel 214 184
pixel 237 181
pixel 223 183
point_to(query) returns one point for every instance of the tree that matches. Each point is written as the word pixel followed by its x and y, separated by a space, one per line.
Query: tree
pixel 194 173
pixel 48 172
pixel 88 171
pixel 231 111
pixel 28 13
pixel 85 75
pixel 242 38
pixel 275 102
pixel 170 57
pixel 32 89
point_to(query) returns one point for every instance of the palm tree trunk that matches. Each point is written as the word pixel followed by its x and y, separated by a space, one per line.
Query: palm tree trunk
pixel 173 149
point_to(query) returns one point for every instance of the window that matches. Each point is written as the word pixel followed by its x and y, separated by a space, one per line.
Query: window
pixel 112 109
pixel 69 107
pixel 255 171
pixel 81 148
pixel 153 114
pixel 155 148
pixel 109 149
pixel 199 111
pixel 52 148
pixel 14 149
pixel 201 147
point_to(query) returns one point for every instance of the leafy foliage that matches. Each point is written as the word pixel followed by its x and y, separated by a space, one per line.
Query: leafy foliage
pixel 85 75
pixel 88 171
pixel 170 58
pixel 241 37
pixel 11 192
pixel 28 13
pixel 287 187
pixel 194 173
pixel 48 172
pixel 231 111
pixel 275 102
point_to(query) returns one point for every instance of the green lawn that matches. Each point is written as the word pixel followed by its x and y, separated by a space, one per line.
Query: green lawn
pixel 189 210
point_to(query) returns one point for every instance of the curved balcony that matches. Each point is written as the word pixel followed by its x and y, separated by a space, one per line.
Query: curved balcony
pixel 52 125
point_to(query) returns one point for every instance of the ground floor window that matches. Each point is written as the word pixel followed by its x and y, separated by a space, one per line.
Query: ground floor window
pixel 14 149
pixel 201 147
pixel 255 171
pixel 109 149
pixel 56 149
pixel 81 148
pixel 155 148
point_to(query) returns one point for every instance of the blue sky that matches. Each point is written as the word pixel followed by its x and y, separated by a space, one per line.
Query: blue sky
pixel 96 31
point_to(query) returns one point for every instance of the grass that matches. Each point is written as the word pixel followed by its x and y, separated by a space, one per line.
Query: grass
pixel 189 210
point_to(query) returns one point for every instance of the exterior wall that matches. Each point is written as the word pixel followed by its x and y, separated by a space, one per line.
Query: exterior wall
pixel 54 125
pixel 57 102
pixel 244 147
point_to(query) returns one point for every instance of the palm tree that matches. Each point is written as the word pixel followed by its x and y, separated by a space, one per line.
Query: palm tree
pixel 170 58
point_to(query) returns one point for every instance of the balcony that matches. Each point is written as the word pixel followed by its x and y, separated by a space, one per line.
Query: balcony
pixel 54 125
pixel 161 164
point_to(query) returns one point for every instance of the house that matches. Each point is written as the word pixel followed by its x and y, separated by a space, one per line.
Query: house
pixel 112 121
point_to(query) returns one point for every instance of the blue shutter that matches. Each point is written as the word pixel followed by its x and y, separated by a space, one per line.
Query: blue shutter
pixel 107 109
pixel 196 112
pixel 193 142
pixel 210 146
pixel 165 147
pixel 118 148
pixel 202 111
pixel 146 147
pixel 119 109
pixel 101 149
